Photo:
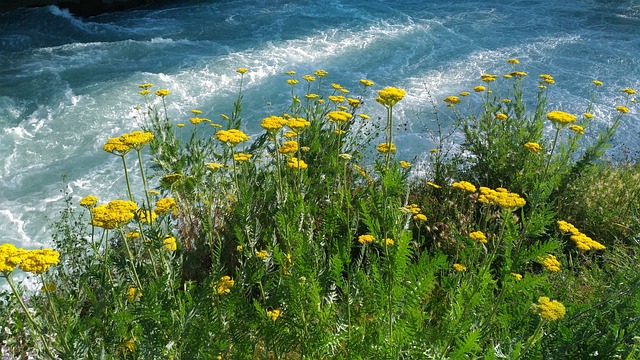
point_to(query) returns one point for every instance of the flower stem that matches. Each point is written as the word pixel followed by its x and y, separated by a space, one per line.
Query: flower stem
pixel 133 265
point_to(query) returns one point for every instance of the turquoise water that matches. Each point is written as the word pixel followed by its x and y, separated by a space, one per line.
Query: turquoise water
pixel 67 84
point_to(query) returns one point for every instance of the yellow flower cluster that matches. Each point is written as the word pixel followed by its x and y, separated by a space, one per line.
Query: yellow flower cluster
pixel 390 96
pixel 549 309
pixel 146 216
pixel 550 262
pixel 170 243
pixel 405 164
pixel 452 100
pixel 412 209
pixel 242 156
pixel 289 147
pixel 224 285
pixel 597 82
pixel 479 88
pixel 561 118
pixel 433 185
pixel 459 267
pixel 33 261
pixel 336 98
pixel 478 236
pixel 577 128
pixel 420 217
pixel 273 123
pixel 629 91
pixel 518 277
pixel 213 166
pixel 126 142
pixel 262 254
pixel 339 116
pixel 622 109
pixel 231 136
pixel 388 242
pixel 273 314
pixel 114 214
pixel 534 147
pixel 133 294
pixel 488 77
pixel 501 197
pixel 547 79
pixel 465 93
pixel 501 116
pixel 366 82
pixel 241 70
pixel 513 61
pixel 162 92
pixel 320 73
pixel 295 163
pixel 386 147
pixel 88 201
pixel 583 242
pixel 297 124
pixel 292 82
pixel 198 120
pixel 354 103
pixel 518 74
pixel 165 205
pixel 309 78
pixel 366 239
pixel 464 185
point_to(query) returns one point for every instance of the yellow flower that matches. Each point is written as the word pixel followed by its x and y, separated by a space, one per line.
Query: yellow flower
pixel 292 82
pixel 534 147
pixel 629 91
pixel 239 247
pixel 196 112
pixel 577 128
pixel 48 287
pixel 197 120
pixel 339 116
pixel 290 134
pixel 10 257
pixel 549 309
pixel 116 146
pixel 364 116
pixel 346 157
pixel 295 163
pixel 297 124
pixel 288 147
pixel 390 96
pixel 162 92
pixel 465 93
pixel 518 73
pixel 420 217
pixel 561 118
pixel 501 197
pixel 464 185
pixel 145 92
pixel 513 61
pixel 479 88
pixel 366 239
pixel 336 98
pixel 488 77
pixel 241 70
pixel 136 139
pixel 128 344
pixel 133 235
pixel 165 205
pixel 588 115
pixel 550 262
pixel 273 123
pixel 518 277
pixel 597 83
pixel 459 267
pixel 567 227
pixel 290 73
pixel 386 147
pixel 309 78
pixel 180 125
pixel 224 285
pixel 232 137
pixel 320 73
pixel 411 209
pixel 242 156
pixel 433 185
pixel 451 100
pixel 388 242
pixel 133 294
pixel 213 166
pixel 622 109
pixel 262 254
pixel 501 116
pixel 170 243
pixel 507 76
pixel 114 214
pixel 273 314
pixel 354 103
pixel 312 96
pixel 38 261
pixel 343 90
pixel 405 164
pixel 145 86
pixel 366 82
pixel 89 201
pixel 478 236
pixel 146 216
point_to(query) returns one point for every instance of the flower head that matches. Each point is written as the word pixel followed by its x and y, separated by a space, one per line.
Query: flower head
pixel 513 61
pixel 597 83
pixel 38 261
pixel 295 163
pixel 339 116
pixel 133 294
pixel 320 73
pixel 501 116
pixel 366 82
pixel 577 128
pixel 224 285
pixel 309 78
pixel 550 262
pixel 549 309
pixel 501 197
pixel 464 185
pixel 366 239
pixel 232 136
pixel 386 147
pixel 561 118
pixel 273 314
pixel 289 147
pixel 629 91
pixel 165 205
pixel 297 124
pixel 478 236
pixel 162 92
pixel 533 147
pixel 390 96
pixel 170 243
pixel 622 109
pixel 89 201
pixel 420 217
pixel 459 267
pixel 273 123
pixel 452 100
pixel 405 164
pixel 241 70
pixel 479 88
pixel 114 214
pixel 433 185
pixel 10 257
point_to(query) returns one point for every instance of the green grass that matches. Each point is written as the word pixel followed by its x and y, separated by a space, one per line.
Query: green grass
pixel 349 257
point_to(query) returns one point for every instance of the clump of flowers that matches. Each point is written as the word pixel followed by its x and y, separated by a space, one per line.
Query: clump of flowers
pixel 386 147
pixel 10 257
pixel 133 294
pixel 170 243
pixel 339 116
pixel 165 205
pixel 583 242
pixel 366 239
pixel 550 262
pixel 273 314
pixel 224 285
pixel 501 197
pixel 533 147
pixel 89 201
pixel 464 185
pixel 549 309
pixel 114 214
pixel 452 100
pixel 478 236
pixel 289 147
pixel 273 123
pixel 38 261
pixel 232 136
pixel 459 267
pixel 390 96
pixel 295 163
pixel 560 118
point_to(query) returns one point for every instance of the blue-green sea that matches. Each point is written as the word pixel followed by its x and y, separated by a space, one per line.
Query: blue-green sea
pixel 67 84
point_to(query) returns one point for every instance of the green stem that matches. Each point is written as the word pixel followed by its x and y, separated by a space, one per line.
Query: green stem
pixel 7 275
pixel 553 147
pixel 133 265
pixel 126 176
pixel 144 180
